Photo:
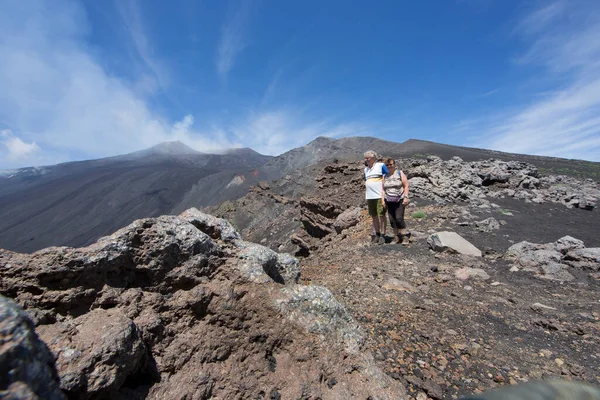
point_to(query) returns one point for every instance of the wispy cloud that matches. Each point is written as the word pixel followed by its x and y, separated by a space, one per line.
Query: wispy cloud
pixel 58 101
pixel 233 37
pixel 564 40
pixel 491 92
pixel 133 22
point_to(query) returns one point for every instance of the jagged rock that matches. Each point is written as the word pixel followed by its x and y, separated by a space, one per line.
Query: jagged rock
pixel 217 228
pixel 26 365
pixel 556 271
pixel 161 309
pixel 587 258
pixel 568 243
pixel 347 219
pixel 96 352
pixel 318 216
pixel 264 185
pixel 442 241
pixel 531 255
pixel 453 180
pixel 553 259
pixel 261 264
pixel 488 224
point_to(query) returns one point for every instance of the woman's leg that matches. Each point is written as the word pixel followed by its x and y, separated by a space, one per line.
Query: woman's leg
pixel 400 218
pixel 392 208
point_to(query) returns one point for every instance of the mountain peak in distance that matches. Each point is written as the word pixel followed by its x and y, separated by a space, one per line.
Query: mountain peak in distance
pixel 171 148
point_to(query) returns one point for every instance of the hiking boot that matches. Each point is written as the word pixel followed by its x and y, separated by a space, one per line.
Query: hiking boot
pixel 374 239
pixel 397 239
pixel 381 240
pixel 404 240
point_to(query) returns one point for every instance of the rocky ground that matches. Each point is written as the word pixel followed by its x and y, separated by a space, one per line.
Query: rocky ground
pixel 186 307
pixel 176 307
pixel 447 324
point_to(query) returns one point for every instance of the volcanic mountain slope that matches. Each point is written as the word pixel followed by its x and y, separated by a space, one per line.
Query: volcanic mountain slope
pixel 76 203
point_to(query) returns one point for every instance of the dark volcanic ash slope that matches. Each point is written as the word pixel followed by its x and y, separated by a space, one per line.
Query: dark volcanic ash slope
pixel 76 203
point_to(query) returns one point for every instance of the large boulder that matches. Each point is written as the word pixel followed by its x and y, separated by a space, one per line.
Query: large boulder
pixel 453 242
pixel 553 260
pixel 170 307
pixel 347 219
pixel 27 369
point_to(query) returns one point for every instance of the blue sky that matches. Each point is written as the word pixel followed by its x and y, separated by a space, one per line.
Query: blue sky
pixel 87 79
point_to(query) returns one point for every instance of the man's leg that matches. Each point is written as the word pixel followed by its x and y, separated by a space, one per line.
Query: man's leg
pixel 372 206
pixel 375 219
pixel 383 224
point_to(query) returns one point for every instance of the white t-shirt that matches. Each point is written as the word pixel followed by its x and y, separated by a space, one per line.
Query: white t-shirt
pixel 373 178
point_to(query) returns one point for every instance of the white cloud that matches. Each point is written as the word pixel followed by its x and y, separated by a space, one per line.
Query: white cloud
pixel 55 91
pixel 564 39
pixel 232 38
pixel 275 132
pixel 16 150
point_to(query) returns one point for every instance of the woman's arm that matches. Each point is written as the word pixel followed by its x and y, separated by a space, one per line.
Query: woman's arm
pixel 405 185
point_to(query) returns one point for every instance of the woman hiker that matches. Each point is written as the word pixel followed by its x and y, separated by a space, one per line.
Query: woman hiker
pixel 395 193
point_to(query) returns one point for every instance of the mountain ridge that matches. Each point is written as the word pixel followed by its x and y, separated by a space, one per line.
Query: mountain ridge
pixel 75 203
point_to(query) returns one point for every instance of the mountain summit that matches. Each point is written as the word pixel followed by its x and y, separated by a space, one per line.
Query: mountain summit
pixel 172 148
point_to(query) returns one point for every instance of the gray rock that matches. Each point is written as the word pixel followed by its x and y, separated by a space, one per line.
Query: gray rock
pixel 347 219
pixel 488 224
pixel 288 267
pixel 317 310
pixel 557 272
pixel 217 228
pixel 587 258
pixel 26 364
pixel 452 241
pixel 468 272
pixel 566 243
pixel 261 264
pixel 538 390
pixel 532 256
pixel 96 352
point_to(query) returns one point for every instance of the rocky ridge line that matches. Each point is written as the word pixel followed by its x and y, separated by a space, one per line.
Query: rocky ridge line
pixel 180 306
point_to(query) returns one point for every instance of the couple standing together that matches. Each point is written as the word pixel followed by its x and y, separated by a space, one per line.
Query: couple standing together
pixel 386 189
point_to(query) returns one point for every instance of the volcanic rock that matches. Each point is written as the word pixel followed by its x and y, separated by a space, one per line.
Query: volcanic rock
pixel 26 364
pixel 553 260
pixel 179 306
